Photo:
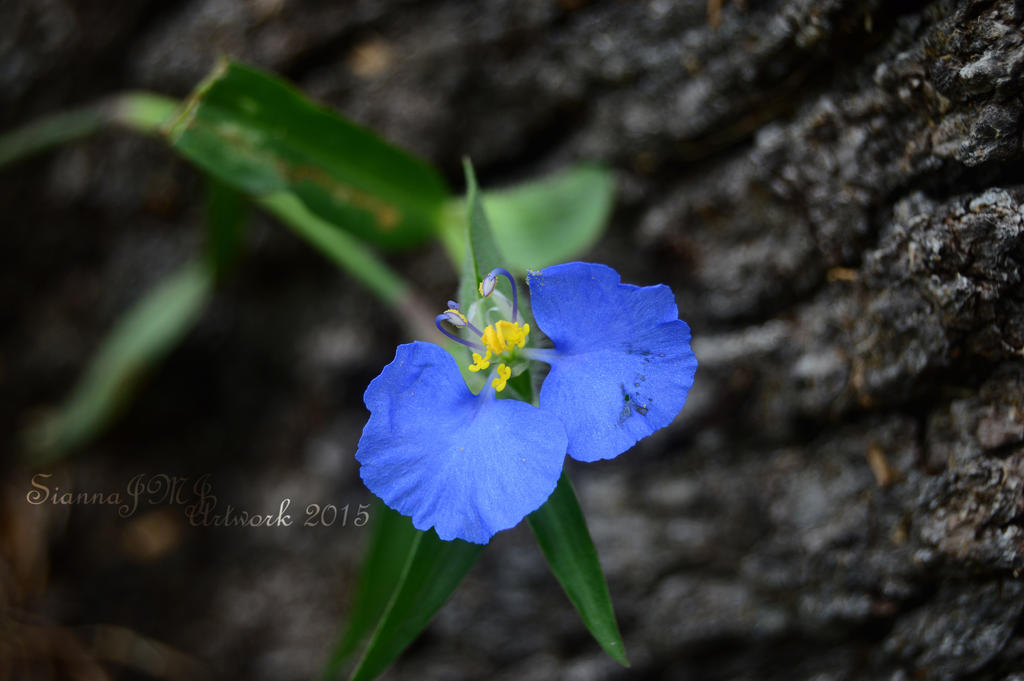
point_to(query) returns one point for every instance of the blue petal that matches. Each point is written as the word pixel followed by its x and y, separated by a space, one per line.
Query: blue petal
pixel 466 465
pixel 622 364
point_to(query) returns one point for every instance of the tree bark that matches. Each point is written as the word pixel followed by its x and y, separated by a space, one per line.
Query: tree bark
pixel 832 189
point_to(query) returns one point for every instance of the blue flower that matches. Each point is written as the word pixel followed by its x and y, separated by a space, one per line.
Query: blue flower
pixel 467 465
pixel 470 465
pixel 621 366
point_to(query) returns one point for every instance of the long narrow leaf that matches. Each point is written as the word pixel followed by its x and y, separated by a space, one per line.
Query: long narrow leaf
pixel 563 537
pixel 142 337
pixel 261 135
pixel 482 254
pixel 386 556
pixel 433 570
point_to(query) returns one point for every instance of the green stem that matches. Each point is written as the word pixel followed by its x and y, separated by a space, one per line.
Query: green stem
pixel 143 112
pixel 140 111
pixel 354 257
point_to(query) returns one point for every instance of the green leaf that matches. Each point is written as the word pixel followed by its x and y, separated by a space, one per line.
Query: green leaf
pixel 146 333
pixel 562 534
pixel 545 221
pixel 262 136
pixel 433 570
pixel 226 213
pixel 390 545
pixel 481 251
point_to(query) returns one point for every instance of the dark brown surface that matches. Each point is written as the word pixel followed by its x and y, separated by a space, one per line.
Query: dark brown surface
pixel 832 189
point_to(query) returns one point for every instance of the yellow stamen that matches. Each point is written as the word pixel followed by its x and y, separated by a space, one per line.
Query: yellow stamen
pixel 504 373
pixel 503 336
pixel 480 362
pixel 518 339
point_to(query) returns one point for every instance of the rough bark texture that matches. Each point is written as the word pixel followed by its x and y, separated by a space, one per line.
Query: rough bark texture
pixel 833 190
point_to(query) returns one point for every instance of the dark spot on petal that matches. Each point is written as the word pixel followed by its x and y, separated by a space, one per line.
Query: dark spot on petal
pixel 626 413
pixel 627 409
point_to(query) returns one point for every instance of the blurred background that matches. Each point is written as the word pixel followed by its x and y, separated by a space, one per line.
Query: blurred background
pixel 832 190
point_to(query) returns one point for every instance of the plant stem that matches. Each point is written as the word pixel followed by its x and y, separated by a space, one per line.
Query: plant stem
pixel 353 256
pixel 142 112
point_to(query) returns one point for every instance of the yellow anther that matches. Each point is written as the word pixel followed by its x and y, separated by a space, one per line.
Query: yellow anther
pixel 518 337
pixel 480 362
pixel 503 336
pixel 504 373
pixel 492 342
